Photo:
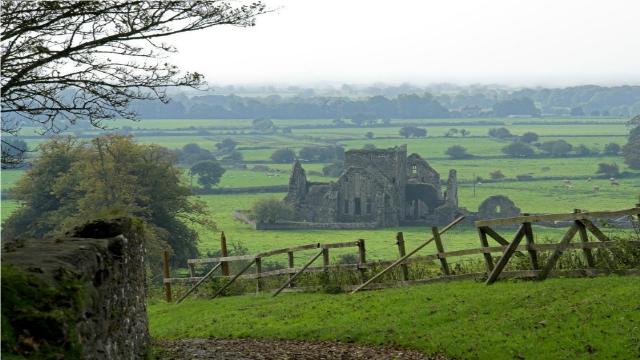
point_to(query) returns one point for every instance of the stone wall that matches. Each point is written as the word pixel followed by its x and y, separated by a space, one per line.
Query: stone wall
pixel 292 225
pixel 77 296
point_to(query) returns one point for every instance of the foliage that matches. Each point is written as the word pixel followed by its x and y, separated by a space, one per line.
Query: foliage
pixel 496 175
pixel 517 106
pixel 518 149
pixel 397 102
pixel 192 153
pixel 263 125
pixel 209 172
pixel 458 152
pixel 227 144
pixel 73 182
pixel 233 157
pixel 321 153
pixel 556 147
pixel 369 135
pixel 271 210
pixel 610 170
pixel 283 156
pixel 631 149
pixel 577 111
pixel 500 133
pixel 583 150
pixel 529 137
pixel 412 131
pixel 612 149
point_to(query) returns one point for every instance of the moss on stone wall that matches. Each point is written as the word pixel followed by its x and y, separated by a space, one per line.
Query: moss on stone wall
pixel 46 311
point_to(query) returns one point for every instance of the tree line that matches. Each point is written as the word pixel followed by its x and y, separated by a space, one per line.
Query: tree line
pixel 577 101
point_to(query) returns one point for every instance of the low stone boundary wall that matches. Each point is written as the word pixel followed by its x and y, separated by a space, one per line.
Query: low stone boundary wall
pixel 314 226
pixel 80 296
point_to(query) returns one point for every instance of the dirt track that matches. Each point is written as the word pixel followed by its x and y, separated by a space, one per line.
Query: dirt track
pixel 244 349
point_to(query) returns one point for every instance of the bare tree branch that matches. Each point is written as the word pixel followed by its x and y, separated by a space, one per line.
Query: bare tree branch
pixel 88 60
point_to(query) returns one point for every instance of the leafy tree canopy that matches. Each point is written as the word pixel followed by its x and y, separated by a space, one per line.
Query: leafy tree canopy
pixel 209 172
pixel 518 149
pixel 72 182
pixel 458 152
pixel 283 156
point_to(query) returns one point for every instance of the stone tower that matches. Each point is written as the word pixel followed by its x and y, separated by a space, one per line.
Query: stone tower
pixel 451 196
pixel 297 184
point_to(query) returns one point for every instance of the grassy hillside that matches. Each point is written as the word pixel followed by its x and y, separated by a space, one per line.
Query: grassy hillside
pixel 595 318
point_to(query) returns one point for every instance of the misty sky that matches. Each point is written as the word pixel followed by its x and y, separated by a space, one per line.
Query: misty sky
pixel 517 42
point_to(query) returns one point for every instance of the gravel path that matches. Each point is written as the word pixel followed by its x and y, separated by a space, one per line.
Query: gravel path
pixel 245 349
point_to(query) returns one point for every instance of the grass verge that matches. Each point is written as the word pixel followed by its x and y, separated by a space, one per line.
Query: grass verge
pixel 554 319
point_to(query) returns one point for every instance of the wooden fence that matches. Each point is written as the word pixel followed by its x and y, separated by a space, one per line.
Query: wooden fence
pixel 582 224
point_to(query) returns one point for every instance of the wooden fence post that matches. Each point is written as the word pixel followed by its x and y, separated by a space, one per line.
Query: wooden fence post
pixel 224 253
pixel 325 265
pixel 258 274
pixel 584 238
pixel 403 252
pixel 533 254
pixel 325 259
pixel 485 244
pixel 192 271
pixel 166 275
pixel 362 260
pixel 291 267
pixel 440 247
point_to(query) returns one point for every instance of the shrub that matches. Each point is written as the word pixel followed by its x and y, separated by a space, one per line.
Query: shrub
pixel 321 153
pixel 529 137
pixel 458 152
pixel 612 149
pixel 500 133
pixel 283 156
pixel 518 149
pixel 263 125
pixel 610 170
pixel 233 157
pixel 556 147
pixel 227 144
pixel 369 135
pixel 412 131
pixel 496 175
pixel 583 150
pixel 271 211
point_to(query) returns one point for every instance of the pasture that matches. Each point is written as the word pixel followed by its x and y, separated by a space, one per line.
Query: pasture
pixel 544 193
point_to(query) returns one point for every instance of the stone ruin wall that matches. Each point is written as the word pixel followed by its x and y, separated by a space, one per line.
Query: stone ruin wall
pixel 99 273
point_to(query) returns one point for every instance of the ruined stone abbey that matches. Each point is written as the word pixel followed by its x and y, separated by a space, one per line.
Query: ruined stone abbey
pixel 378 188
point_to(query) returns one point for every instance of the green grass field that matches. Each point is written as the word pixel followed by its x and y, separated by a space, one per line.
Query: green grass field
pixel 555 319
pixel 545 196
